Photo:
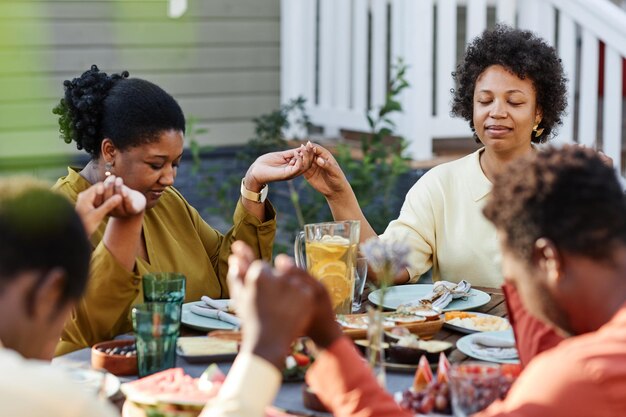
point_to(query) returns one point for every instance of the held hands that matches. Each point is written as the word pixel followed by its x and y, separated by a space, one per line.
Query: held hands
pixel 110 197
pixel 325 174
pixel 278 166
pixel 277 306
pixel 316 163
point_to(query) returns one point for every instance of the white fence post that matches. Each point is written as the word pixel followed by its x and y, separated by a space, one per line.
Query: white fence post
pixel 588 108
pixel 297 54
pixel 476 19
pixel 567 52
pixel 342 55
pixel 505 11
pixel 379 53
pixel 612 109
pixel 446 54
pixel 546 21
pixel 327 43
pixel 359 56
pixel 416 101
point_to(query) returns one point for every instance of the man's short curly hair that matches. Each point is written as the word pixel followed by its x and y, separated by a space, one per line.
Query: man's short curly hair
pixel 525 55
pixel 568 195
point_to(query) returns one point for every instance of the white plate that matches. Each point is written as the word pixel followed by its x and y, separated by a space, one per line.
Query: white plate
pixel 91 380
pixel 401 294
pixel 467 330
pixel 204 324
pixel 464 344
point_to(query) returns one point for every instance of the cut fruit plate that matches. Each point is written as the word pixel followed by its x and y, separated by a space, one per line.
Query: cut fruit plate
pixel 474 322
pixel 172 393
pixel 355 325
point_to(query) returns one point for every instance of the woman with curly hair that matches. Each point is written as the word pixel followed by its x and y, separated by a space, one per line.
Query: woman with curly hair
pixel 134 132
pixel 511 90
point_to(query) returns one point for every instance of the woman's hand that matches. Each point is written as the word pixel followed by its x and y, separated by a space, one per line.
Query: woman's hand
pixel 325 174
pixel 273 321
pixel 278 166
pixel 133 202
pixel 92 207
pixel 108 198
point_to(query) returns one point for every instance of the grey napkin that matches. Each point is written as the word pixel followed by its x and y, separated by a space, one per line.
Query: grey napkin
pixel 494 347
pixel 444 292
pixel 216 304
pixel 216 314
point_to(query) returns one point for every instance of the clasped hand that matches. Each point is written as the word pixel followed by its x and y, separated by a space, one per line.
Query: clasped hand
pixel 110 197
pixel 278 305
pixel 278 166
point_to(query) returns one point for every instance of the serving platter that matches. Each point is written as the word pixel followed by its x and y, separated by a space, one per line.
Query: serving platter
pixel 402 294
pixel 467 330
pixel 424 329
pixel 203 349
pixel 391 365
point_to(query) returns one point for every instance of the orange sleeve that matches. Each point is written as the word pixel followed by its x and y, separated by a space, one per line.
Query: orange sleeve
pixel 344 383
pixel 532 336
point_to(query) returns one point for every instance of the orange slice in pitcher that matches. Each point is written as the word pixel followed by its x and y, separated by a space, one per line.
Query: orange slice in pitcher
pixel 338 287
pixel 329 268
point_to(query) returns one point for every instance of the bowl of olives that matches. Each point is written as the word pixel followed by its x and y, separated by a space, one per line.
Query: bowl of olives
pixel 116 356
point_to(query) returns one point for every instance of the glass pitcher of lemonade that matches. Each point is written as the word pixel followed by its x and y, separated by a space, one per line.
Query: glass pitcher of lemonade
pixel 331 250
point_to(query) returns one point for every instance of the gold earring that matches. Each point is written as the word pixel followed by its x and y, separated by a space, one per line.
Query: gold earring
pixel 107 169
pixel 537 131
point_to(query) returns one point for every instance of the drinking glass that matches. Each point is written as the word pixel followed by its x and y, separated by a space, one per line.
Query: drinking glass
pixel 164 287
pixel 330 257
pixel 360 278
pixel 473 385
pixel 156 327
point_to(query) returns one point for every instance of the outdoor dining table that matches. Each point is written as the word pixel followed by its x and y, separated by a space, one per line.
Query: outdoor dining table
pixel 289 397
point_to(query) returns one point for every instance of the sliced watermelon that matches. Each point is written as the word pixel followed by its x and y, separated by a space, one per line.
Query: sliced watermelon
pixel 172 387
pixel 443 369
pixel 423 375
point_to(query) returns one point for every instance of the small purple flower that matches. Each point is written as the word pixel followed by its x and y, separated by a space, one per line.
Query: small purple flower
pixel 387 258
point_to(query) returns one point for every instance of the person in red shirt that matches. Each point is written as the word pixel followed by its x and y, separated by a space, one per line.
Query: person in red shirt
pixel 561 217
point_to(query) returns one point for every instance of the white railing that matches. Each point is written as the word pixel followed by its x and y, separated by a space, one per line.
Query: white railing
pixel 337 54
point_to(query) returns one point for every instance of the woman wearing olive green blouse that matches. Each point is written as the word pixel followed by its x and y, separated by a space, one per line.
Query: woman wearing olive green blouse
pixel 134 130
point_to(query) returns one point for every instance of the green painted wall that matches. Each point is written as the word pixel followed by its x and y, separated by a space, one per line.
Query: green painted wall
pixel 221 61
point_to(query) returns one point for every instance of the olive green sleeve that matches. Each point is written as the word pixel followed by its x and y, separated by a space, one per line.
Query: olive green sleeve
pixel 103 312
pixel 246 227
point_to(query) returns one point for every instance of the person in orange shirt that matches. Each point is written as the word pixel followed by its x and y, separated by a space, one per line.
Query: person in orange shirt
pixel 561 218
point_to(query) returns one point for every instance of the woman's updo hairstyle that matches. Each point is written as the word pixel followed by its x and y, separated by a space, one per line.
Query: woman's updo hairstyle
pixel 129 111
pixel 524 54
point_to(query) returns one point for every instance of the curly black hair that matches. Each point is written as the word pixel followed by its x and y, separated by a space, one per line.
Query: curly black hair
pixel 525 55
pixel 129 111
pixel 568 195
